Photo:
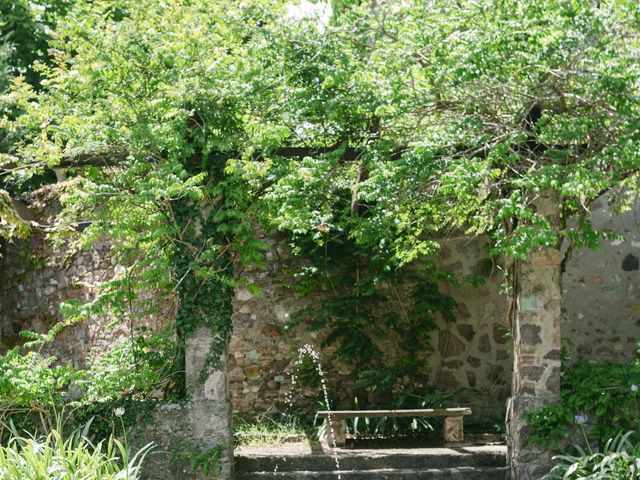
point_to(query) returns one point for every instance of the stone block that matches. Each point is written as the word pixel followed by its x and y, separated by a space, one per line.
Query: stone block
pixel 243 295
pixel 203 425
pixel 466 331
pixel 252 372
pixel 453 430
pixel 450 345
pixel 484 344
pixel 530 334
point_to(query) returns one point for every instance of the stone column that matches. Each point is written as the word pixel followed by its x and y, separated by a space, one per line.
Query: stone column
pixel 536 342
pixel 210 405
pixel 214 386
pixel 202 423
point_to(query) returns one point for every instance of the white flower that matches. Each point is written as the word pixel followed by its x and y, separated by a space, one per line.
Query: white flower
pixel 634 388
pixel 581 418
pixel 118 412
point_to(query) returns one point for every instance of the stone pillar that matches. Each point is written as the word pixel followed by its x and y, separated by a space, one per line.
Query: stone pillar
pixel 209 411
pixel 214 386
pixel 536 342
pixel 203 422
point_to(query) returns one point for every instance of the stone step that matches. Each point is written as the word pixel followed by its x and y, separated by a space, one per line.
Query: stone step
pixel 419 459
pixel 457 473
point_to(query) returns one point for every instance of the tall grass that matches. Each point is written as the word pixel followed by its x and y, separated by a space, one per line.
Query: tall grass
pixel 264 430
pixel 76 458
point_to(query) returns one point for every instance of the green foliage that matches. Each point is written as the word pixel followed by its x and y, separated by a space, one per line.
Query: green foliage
pixel 53 457
pixel 26 28
pixel 118 417
pixel 31 382
pixel 206 461
pixel 481 132
pixel 372 310
pixel 402 131
pixel 603 392
pixel 134 368
pixel 264 430
pixel 35 391
pixel 618 460
pixel 205 286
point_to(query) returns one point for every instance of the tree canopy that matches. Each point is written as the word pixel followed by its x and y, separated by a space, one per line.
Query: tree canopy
pixel 391 121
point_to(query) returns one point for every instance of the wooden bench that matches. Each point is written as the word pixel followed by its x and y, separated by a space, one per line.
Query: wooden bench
pixel 453 427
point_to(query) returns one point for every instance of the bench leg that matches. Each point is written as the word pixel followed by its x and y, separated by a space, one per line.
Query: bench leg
pixel 338 434
pixel 453 430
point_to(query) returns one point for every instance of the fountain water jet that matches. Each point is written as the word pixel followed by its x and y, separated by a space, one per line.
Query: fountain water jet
pixel 308 350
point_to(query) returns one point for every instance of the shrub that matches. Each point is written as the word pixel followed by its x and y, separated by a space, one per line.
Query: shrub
pixel 606 393
pixel 53 458
pixel 35 391
pixel 619 460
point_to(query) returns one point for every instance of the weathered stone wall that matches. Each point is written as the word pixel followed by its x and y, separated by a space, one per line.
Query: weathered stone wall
pixel 261 351
pixel 36 278
pixel 471 354
pixel 478 352
pixel 601 318
pixel 601 291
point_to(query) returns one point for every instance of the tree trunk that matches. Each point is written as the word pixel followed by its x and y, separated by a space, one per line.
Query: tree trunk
pixel 536 344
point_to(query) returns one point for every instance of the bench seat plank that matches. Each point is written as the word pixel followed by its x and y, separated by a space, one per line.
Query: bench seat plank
pixel 425 412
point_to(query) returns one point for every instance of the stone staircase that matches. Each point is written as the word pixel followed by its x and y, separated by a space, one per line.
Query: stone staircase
pixel 486 462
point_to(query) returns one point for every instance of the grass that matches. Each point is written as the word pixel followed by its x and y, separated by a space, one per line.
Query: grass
pixel 264 430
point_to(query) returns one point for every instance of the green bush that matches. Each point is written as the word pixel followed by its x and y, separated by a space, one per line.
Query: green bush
pixel 618 460
pixel 606 393
pixel 36 392
pixel 53 458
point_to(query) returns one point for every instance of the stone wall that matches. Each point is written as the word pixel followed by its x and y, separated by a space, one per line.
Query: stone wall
pixel 601 318
pixel 601 291
pixel 477 353
pixel 471 354
pixel 261 351
pixel 37 277
pixel 601 315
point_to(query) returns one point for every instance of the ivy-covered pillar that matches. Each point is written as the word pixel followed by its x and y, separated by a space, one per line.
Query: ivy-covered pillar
pixel 203 323
pixel 536 343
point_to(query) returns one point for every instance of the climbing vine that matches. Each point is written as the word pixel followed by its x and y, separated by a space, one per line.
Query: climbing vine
pixel 367 305
pixel 213 240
